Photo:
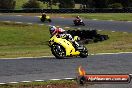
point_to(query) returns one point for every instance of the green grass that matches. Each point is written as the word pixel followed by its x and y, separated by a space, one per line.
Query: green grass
pixel 63 83
pixel 19 3
pixel 118 42
pixel 20 40
pixel 23 40
pixel 102 16
pixel 108 16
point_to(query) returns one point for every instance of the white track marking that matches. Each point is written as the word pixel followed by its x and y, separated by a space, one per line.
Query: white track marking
pixel 19 22
pixel 55 79
pixel 30 23
pixel 36 16
pixel 99 30
pixel 39 80
pixel 7 21
pixel 78 28
pixel 13 82
pixel 24 57
pixel 40 24
pixel 112 31
pixel 67 27
pixel 26 81
pixel 18 15
pixel 47 56
pixel 110 20
pixel 88 54
pixel 2 83
pixel 68 78
pixel 129 21
pixel 94 19
pixel 61 17
pixel 113 53
pixel 91 54
pixel 125 32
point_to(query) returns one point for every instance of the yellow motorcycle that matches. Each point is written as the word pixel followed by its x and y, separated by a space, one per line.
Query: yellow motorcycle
pixel 62 48
pixel 46 19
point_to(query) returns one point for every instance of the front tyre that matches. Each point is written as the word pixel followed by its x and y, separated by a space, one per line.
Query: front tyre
pixel 42 20
pixel 83 24
pixel 49 20
pixel 58 51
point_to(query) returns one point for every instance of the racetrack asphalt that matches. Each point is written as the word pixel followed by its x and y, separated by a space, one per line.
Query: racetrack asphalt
pixel 68 22
pixel 51 68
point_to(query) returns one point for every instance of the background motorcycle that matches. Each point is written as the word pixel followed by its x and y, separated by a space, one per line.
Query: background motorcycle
pixel 78 22
pixel 46 19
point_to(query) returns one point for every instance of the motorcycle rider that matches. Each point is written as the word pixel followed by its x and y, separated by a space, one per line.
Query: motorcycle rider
pixel 62 34
pixel 78 19
pixel 44 16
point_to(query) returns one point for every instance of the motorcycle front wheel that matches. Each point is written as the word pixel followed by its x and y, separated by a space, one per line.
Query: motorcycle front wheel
pixel 58 51
pixel 49 20
pixel 42 20
pixel 83 24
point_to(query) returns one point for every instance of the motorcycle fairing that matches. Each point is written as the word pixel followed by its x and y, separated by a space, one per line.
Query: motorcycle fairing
pixel 70 50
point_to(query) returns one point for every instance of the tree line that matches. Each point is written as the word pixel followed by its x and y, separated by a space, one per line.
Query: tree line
pixel 10 4
pixel 91 3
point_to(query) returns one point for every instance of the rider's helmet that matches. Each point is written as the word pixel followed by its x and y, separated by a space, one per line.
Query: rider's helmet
pixel 52 29
pixel 77 17
pixel 43 14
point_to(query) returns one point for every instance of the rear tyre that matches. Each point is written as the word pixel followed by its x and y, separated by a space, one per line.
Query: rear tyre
pixel 58 51
pixel 84 52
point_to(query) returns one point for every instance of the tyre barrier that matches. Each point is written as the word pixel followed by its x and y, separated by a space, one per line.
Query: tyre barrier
pixel 88 36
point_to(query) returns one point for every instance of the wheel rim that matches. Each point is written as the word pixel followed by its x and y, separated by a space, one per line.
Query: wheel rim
pixel 58 52
pixel 84 52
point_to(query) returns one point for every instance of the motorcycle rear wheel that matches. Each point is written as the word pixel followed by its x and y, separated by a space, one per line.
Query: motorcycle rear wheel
pixel 84 53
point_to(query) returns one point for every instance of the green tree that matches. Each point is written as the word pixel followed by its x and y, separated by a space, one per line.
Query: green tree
pixel 124 3
pixel 100 3
pixel 66 3
pixel 31 4
pixel 88 3
pixel 49 2
pixel 115 5
pixel 7 4
pixel 130 3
